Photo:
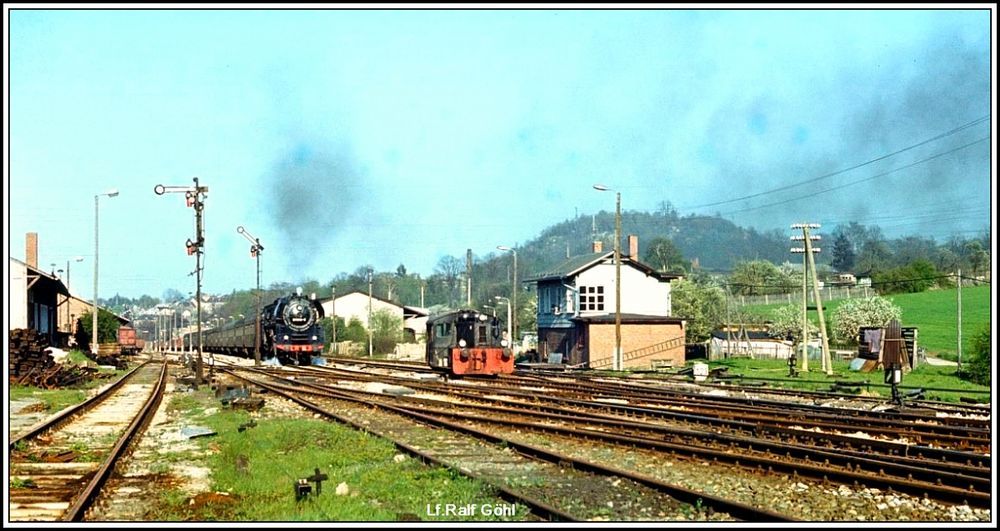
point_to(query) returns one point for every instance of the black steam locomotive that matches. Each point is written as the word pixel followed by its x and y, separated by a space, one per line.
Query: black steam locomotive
pixel 290 332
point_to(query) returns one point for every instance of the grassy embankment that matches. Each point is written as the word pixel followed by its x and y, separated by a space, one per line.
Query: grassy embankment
pixel 934 313
pixel 930 378
pixel 256 469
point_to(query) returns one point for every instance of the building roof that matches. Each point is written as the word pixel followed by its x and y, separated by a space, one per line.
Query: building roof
pixel 409 311
pixel 630 318
pixel 578 264
pixel 55 282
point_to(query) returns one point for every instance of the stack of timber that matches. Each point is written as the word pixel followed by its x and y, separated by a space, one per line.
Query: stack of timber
pixel 29 364
pixel 109 354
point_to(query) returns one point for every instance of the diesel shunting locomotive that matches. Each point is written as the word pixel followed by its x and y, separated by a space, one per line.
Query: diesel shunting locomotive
pixel 467 342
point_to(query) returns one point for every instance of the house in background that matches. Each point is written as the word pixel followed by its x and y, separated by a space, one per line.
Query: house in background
pixel 36 299
pixel 355 305
pixel 41 301
pixel 35 296
pixel 576 311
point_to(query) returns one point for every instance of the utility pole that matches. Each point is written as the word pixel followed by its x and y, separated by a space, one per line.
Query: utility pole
pixel 370 335
pixel 959 279
pixel 729 326
pixel 805 299
pixel 333 312
pixel 805 314
pixel 513 292
pixel 468 276
pixel 809 250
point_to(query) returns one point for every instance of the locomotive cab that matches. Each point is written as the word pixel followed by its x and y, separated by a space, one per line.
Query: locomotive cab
pixel 468 342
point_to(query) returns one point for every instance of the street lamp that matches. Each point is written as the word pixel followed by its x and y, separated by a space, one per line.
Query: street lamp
pixel 510 338
pixel 255 249
pixel 77 259
pixel 110 193
pixel 513 291
pixel 617 362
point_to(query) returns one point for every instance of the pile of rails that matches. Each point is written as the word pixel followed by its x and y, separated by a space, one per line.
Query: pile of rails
pixel 29 364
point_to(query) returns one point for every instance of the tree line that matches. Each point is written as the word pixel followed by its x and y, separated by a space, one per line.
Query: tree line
pixel 710 252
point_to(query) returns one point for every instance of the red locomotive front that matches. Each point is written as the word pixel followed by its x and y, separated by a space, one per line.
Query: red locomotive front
pixel 467 342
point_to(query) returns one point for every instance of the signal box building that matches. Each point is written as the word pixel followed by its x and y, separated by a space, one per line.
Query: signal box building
pixel 576 312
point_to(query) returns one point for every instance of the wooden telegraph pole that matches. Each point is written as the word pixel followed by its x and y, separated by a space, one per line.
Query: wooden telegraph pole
pixel 809 260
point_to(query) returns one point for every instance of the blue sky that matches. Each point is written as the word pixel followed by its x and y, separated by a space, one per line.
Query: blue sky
pixel 350 137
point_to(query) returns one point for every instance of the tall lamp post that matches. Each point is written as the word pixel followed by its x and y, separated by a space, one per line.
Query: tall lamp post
pixel 510 338
pixel 69 318
pixel 110 193
pixel 255 249
pixel 513 293
pixel 617 361
pixel 77 259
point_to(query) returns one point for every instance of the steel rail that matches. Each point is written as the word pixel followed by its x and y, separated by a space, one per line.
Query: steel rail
pixel 85 499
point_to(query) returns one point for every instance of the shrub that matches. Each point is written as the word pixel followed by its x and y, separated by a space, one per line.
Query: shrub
pixel 850 316
pixel 788 319
pixel 979 364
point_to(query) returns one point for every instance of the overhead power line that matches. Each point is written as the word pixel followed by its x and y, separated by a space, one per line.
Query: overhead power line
pixel 877 175
pixel 880 283
pixel 977 121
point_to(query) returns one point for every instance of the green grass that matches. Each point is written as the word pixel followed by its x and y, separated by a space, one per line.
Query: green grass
pixel 77 357
pixel 53 399
pixel 934 313
pixel 21 483
pixel 925 376
pixel 258 469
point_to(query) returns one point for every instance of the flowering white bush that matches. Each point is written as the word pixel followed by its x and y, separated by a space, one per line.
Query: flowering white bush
pixel 850 316
pixel 789 319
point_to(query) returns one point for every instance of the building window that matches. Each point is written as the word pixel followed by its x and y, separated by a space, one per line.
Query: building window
pixel 591 298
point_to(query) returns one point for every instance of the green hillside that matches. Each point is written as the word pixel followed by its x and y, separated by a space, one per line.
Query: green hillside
pixel 934 313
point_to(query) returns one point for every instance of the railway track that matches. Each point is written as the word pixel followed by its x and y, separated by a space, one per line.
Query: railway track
pixel 556 478
pixel 950 476
pixel 955 440
pixel 57 468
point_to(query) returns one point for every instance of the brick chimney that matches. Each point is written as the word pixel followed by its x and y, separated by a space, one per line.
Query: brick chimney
pixel 633 246
pixel 598 247
pixel 31 249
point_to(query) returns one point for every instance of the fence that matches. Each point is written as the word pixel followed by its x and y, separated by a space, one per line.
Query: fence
pixel 826 294
pixel 722 349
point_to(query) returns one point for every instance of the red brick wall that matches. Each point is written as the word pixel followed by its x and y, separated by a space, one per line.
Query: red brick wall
pixel 31 249
pixel 636 336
